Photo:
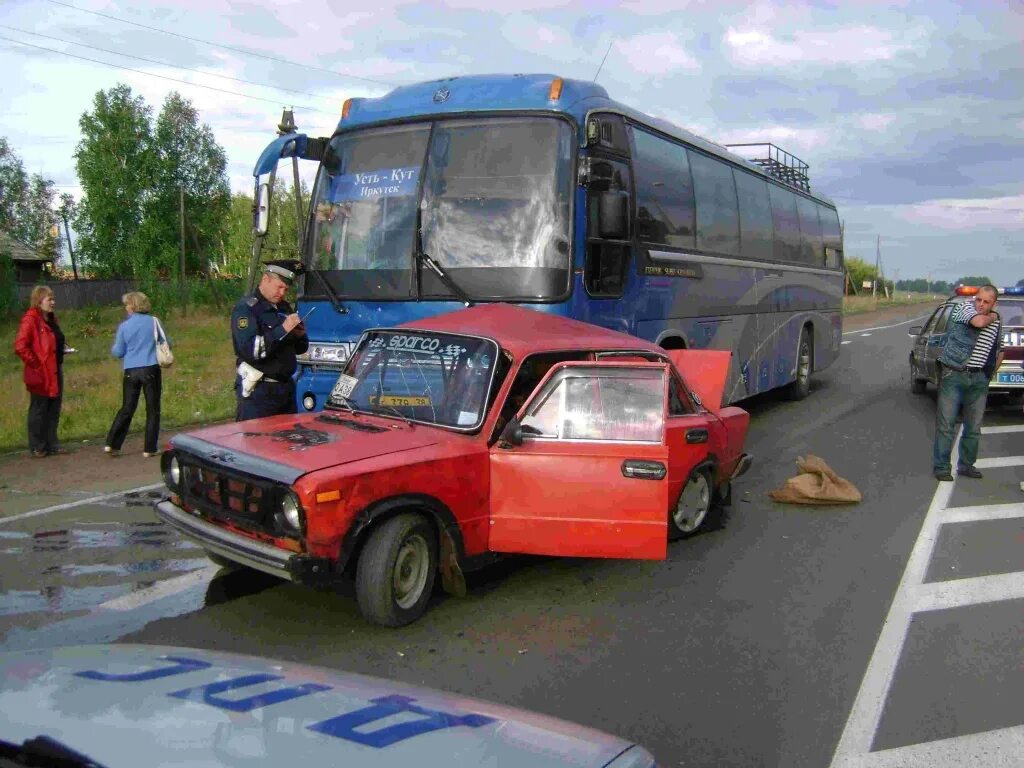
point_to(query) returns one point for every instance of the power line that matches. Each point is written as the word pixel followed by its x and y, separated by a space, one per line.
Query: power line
pixel 163 77
pixel 221 45
pixel 162 63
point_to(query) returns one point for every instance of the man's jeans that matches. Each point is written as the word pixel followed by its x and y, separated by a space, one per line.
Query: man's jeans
pixel 969 390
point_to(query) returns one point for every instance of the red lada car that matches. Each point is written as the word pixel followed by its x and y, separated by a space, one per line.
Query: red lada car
pixel 450 441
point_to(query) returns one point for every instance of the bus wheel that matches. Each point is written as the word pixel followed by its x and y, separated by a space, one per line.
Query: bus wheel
pixel 801 386
pixel 396 569
pixel 691 510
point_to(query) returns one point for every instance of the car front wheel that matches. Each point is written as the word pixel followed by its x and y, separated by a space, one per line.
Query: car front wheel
pixel 396 570
pixel 691 511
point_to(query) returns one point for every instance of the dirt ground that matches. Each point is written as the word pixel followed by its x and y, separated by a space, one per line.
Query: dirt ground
pixel 86 471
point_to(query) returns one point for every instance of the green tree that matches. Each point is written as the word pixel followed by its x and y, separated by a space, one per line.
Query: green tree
pixel 115 164
pixel 237 245
pixel 189 160
pixel 26 203
pixel 973 280
pixel 859 271
pixel 13 189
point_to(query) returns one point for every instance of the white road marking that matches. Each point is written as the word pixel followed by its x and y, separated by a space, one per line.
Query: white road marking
pixel 865 334
pixel 1002 430
pixel 71 504
pixel 846 342
pixel 884 327
pixel 993 749
pixel 160 590
pixel 854 747
pixel 1001 461
pixel 998 748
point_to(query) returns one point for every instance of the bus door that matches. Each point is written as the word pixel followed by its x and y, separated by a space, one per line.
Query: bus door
pixel 608 249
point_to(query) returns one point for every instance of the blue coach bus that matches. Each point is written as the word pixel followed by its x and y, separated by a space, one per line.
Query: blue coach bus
pixel 542 191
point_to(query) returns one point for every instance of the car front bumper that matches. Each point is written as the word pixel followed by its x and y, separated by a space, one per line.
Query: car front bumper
pixel 300 568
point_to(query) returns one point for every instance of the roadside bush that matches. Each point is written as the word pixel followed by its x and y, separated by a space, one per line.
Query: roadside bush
pixel 8 289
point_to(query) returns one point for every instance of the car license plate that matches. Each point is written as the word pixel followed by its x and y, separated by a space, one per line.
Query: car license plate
pixel 1010 378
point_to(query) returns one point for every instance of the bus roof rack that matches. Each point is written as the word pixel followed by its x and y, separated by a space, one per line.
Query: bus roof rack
pixel 776 162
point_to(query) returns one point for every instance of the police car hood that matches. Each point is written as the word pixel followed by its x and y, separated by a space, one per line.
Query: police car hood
pixel 284 448
pixel 139 706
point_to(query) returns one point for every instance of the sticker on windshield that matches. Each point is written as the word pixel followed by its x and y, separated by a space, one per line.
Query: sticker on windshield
pixel 344 385
pixel 404 400
pixel 369 185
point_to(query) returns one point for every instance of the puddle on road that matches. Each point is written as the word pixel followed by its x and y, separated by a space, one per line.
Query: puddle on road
pixel 143 534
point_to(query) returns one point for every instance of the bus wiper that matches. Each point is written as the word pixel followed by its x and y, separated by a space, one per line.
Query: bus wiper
pixel 437 269
pixel 338 306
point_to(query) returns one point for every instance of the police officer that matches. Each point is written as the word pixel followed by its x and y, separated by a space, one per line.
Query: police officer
pixel 267 334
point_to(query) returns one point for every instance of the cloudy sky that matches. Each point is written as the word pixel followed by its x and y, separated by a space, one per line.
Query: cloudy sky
pixel 910 114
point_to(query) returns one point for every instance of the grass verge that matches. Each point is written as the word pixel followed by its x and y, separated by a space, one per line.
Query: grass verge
pixel 197 388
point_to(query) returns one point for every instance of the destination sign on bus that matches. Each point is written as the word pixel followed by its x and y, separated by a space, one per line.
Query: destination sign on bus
pixel 367 185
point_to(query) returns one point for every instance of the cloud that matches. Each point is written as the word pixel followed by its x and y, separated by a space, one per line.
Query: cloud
pixel 845 45
pixel 876 122
pixel 655 53
pixel 967 214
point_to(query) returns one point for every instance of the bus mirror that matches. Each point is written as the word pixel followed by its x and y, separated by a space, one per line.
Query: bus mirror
pixel 262 219
pixel 613 215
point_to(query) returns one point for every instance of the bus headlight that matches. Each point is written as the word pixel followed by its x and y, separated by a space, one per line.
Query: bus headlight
pixel 171 471
pixel 289 516
pixel 328 355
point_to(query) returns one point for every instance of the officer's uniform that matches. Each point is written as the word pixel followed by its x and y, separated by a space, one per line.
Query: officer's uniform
pixel 261 341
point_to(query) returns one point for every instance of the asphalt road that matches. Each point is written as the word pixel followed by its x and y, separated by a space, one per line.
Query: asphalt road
pixel 763 642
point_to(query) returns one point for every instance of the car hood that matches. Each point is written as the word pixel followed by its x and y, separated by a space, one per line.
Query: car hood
pixel 140 705
pixel 284 448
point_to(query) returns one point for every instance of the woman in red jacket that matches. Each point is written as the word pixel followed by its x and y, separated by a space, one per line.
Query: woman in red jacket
pixel 40 343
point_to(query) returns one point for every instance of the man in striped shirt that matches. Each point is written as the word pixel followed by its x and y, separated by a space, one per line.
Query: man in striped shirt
pixel 972 353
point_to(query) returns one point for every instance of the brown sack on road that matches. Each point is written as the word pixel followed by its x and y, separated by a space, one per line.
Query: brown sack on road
pixel 816 484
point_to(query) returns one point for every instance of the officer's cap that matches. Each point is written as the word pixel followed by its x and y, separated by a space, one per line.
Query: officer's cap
pixel 285 269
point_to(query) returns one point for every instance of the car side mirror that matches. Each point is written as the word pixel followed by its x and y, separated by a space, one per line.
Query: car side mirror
pixel 512 434
pixel 915 330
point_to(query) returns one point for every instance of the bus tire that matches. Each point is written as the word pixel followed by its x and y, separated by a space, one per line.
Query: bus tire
pixel 800 387
pixel 692 509
pixel 396 569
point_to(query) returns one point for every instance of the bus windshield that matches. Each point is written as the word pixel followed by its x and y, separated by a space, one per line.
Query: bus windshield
pixel 494 199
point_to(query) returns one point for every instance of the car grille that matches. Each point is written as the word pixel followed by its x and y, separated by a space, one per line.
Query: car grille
pixel 221 494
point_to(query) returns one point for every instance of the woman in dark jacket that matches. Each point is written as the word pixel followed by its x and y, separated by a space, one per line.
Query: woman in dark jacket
pixel 40 344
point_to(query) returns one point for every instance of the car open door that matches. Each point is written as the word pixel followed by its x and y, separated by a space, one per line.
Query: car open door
pixel 589 476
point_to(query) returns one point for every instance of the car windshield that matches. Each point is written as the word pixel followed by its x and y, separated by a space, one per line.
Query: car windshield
pixel 1011 312
pixel 424 376
pixel 490 195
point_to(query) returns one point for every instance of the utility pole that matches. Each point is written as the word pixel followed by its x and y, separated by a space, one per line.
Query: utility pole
pixel 878 267
pixel 181 260
pixel 71 250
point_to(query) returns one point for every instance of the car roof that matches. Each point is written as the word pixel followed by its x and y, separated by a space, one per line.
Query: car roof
pixel 523 331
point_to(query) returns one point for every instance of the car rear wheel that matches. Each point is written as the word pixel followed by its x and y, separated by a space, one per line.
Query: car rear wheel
pixel 691 511
pixel 395 572
pixel 801 386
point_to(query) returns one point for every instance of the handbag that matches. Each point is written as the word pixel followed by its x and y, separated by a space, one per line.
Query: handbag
pixel 164 356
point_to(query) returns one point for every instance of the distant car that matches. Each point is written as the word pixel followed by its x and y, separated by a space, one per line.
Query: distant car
pixel 450 441
pixel 134 706
pixel 930 339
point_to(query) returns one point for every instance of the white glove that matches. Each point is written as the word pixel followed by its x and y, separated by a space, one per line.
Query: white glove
pixel 250 376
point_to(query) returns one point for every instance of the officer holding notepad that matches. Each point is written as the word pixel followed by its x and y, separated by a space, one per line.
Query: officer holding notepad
pixel 267 335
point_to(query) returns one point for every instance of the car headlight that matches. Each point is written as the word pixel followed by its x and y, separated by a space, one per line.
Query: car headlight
pixel 171 470
pixel 289 515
